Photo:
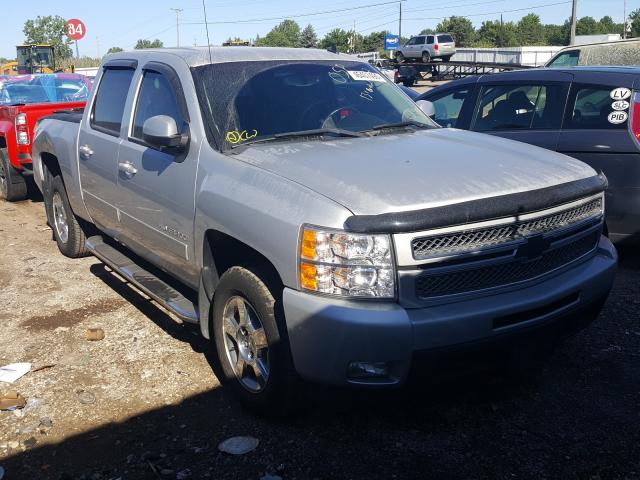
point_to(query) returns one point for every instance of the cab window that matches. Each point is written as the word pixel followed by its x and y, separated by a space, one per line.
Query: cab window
pixel 448 107
pixel 513 107
pixel 110 100
pixel 156 97
pixel 566 59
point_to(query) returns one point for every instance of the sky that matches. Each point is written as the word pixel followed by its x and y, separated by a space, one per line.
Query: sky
pixel 122 22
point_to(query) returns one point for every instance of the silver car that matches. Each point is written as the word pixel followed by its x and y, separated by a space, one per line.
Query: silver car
pixel 428 47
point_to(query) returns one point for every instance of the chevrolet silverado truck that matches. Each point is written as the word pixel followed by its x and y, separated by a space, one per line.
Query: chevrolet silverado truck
pixel 314 221
pixel 23 100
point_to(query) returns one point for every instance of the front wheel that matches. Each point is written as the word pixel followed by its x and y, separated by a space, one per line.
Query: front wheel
pixel 13 186
pixel 399 57
pixel 67 231
pixel 251 341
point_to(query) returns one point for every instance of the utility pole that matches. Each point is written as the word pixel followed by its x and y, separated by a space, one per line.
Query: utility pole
pixel 573 22
pixel 177 10
pixel 624 21
pixel 400 20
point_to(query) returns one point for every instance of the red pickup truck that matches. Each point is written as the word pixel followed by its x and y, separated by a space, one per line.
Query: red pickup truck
pixel 23 100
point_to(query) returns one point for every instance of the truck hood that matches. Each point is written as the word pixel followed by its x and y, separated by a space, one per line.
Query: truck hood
pixel 411 171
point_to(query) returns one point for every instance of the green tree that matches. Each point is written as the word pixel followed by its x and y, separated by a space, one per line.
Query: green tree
pixel 338 37
pixel 115 50
pixel 607 25
pixel 308 37
pixel 461 28
pixel 529 30
pixel 373 42
pixel 285 34
pixel 634 18
pixel 496 34
pixel 50 30
pixel 587 26
pixel 557 34
pixel 427 31
pixel 143 43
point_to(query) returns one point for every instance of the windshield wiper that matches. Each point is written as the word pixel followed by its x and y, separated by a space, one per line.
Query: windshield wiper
pixel 409 123
pixel 316 132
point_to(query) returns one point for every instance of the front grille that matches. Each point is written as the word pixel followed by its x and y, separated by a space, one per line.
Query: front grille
pixel 473 279
pixel 470 240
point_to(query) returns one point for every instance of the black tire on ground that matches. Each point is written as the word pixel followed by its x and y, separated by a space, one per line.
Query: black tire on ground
pixel 399 57
pixel 426 57
pixel 281 388
pixel 67 231
pixel 408 83
pixel 447 58
pixel 13 186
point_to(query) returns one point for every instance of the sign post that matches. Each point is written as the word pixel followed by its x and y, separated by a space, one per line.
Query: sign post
pixel 76 31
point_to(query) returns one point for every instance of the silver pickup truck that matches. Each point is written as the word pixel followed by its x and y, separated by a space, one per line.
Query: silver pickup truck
pixel 312 219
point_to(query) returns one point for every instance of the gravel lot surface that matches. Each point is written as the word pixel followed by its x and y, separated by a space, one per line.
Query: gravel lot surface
pixel 145 402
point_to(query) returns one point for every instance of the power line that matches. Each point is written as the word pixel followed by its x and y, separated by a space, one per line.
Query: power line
pixel 498 13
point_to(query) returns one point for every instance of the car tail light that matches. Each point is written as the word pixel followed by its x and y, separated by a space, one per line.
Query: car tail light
pixel 22 129
pixel 436 47
pixel 635 117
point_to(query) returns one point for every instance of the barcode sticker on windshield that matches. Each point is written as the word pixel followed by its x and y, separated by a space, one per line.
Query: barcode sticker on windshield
pixel 366 76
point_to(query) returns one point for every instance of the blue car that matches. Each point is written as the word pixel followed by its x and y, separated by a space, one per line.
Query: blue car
pixel 590 113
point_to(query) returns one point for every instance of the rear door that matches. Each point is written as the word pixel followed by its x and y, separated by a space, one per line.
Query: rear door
pixel 156 186
pixel 596 130
pixel 526 108
pixel 98 143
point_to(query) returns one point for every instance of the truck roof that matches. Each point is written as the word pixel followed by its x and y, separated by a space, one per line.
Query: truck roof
pixel 196 56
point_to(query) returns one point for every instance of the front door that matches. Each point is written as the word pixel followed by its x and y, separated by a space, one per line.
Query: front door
pixel 157 186
pixel 98 144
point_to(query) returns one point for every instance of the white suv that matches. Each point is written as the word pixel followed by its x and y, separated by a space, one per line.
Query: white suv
pixel 428 47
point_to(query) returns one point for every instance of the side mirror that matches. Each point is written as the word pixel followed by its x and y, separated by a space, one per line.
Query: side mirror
pixel 161 131
pixel 427 107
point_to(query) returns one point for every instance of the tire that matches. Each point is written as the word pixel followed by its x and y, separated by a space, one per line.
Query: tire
pixel 446 58
pixel 13 186
pixel 67 231
pixel 270 394
pixel 426 57
pixel 408 83
pixel 399 57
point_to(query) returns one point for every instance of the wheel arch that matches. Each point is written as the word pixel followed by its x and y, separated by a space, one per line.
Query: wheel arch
pixel 220 252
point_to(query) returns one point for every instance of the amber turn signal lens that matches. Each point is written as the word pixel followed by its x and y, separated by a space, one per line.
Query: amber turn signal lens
pixel 308 276
pixel 308 247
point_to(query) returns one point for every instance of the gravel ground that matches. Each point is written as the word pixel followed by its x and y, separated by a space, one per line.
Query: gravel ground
pixel 145 402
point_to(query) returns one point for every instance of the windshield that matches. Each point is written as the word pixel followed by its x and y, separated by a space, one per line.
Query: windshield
pixel 26 89
pixel 249 101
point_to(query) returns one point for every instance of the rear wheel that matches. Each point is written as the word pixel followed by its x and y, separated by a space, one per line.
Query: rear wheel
pixel 13 186
pixel 426 57
pixel 251 341
pixel 446 58
pixel 67 231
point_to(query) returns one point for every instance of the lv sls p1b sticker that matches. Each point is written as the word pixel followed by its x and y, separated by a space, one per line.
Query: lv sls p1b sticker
pixel 617 117
pixel 620 93
pixel 620 105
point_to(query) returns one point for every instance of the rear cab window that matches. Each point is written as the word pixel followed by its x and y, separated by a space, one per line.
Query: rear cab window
pixel 519 107
pixel 445 39
pixel 111 97
pixel 591 107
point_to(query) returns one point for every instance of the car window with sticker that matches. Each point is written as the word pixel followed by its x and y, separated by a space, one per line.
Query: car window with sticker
pixel 592 107
pixel 250 101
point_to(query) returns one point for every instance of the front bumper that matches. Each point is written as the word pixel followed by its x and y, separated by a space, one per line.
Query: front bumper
pixel 327 334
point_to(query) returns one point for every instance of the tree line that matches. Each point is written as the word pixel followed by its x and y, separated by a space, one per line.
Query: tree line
pixel 529 30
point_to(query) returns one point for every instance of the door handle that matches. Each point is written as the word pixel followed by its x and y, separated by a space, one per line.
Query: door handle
pixel 85 151
pixel 127 169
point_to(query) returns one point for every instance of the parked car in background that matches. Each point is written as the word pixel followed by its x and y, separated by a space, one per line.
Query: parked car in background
pixel 23 100
pixel 589 113
pixel 315 222
pixel 621 52
pixel 406 75
pixel 427 47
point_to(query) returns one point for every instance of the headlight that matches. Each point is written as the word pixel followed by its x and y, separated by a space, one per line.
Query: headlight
pixel 346 264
